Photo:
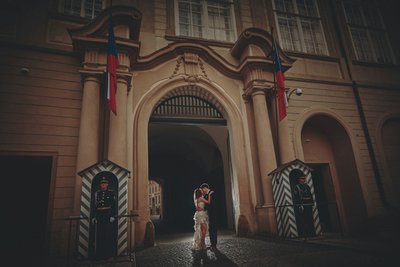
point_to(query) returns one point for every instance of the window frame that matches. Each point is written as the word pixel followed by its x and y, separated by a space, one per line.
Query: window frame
pixel 82 14
pixel 205 26
pixel 299 27
pixel 368 30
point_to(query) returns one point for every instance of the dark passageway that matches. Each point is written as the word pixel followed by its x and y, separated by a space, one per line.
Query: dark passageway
pixel 181 157
pixel 26 187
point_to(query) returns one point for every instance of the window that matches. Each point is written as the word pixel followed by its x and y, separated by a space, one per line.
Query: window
pixel 368 35
pixel 205 19
pixel 82 8
pixel 299 26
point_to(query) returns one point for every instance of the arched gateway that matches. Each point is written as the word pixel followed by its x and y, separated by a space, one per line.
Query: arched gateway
pixel 211 114
pixel 188 145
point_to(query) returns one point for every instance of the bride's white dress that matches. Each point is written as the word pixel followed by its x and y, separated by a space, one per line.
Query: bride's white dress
pixel 199 218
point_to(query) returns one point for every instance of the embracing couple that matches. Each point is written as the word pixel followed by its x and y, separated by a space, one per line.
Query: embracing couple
pixel 205 221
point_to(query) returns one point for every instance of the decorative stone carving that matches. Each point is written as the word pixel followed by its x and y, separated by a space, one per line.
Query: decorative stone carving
pixel 177 67
pixel 193 68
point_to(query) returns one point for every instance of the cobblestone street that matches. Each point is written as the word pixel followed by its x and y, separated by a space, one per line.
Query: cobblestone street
pixel 253 252
pixel 233 251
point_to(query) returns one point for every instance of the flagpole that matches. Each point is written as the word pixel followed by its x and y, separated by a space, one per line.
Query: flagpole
pixel 104 102
pixel 106 112
pixel 102 123
pixel 111 86
pixel 104 119
pixel 275 96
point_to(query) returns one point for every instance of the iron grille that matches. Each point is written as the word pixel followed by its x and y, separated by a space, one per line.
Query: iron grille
pixel 187 107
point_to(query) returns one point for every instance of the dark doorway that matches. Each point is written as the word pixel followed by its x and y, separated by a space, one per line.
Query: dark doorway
pixel 325 198
pixel 325 139
pixel 181 158
pixel 26 184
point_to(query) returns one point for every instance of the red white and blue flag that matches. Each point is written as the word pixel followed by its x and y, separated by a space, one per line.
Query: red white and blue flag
pixel 112 64
pixel 280 79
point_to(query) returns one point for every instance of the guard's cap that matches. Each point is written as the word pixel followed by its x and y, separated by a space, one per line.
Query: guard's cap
pixel 104 180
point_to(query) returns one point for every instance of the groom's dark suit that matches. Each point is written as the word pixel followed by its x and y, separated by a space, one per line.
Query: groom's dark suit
pixel 212 217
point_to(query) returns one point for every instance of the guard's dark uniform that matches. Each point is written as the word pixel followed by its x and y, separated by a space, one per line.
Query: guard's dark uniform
pixel 105 209
pixel 304 201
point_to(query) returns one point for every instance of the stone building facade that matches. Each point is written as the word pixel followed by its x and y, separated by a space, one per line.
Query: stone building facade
pixel 196 103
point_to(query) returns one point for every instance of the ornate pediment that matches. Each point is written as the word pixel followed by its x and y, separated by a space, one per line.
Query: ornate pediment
pixel 126 22
pixel 254 45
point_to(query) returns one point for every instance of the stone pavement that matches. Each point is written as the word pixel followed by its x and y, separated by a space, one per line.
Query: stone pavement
pixel 329 251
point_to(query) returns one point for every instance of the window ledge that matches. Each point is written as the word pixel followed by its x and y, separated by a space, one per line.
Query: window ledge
pixel 312 56
pixel 199 41
pixel 71 18
pixel 375 64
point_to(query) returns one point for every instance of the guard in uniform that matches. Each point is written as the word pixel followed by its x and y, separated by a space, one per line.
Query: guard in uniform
pixel 303 204
pixel 105 212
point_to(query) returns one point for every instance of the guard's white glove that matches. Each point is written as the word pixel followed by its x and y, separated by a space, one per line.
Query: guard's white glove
pixel 112 219
pixel 94 220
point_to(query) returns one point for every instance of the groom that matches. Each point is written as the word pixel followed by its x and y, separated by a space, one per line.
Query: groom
pixel 212 215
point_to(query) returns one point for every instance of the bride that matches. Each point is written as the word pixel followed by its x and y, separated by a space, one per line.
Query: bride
pixel 200 220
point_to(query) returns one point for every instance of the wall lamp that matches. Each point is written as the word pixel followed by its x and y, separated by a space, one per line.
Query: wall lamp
pixel 24 71
pixel 289 92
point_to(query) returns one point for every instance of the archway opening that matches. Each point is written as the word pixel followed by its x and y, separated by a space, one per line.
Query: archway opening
pixel 327 146
pixel 325 198
pixel 27 186
pixel 181 158
pixel 155 200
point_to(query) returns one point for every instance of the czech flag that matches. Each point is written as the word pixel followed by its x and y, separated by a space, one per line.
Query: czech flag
pixel 280 78
pixel 112 64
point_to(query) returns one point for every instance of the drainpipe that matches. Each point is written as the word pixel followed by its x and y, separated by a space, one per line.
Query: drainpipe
pixel 371 152
pixel 360 109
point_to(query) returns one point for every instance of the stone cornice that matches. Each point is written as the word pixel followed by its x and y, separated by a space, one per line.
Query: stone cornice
pixel 95 34
pixel 91 73
pixel 256 86
pixel 208 55
pixel 251 54
pixel 237 69
pixel 125 77
pixel 263 40
pixel 96 74
pixel 178 49
pixel 122 15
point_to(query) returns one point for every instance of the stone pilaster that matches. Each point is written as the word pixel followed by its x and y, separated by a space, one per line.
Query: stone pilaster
pixel 266 154
pixel 88 146
pixel 117 143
